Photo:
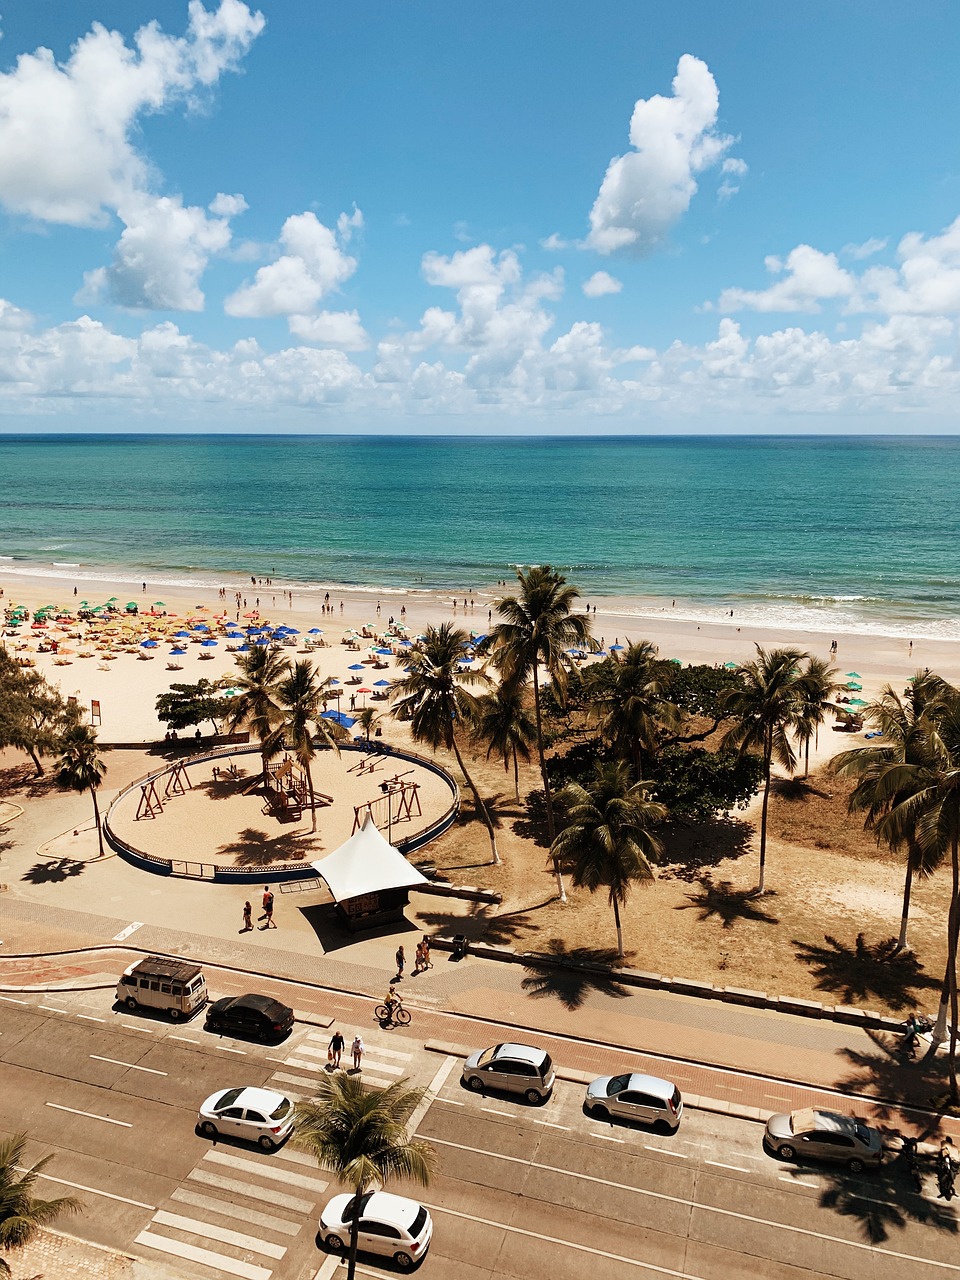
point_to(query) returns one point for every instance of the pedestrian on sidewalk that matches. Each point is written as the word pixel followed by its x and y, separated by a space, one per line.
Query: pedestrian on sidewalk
pixel 357 1052
pixel 400 961
pixel 247 918
pixel 268 908
pixel 335 1049
pixel 418 959
pixel 425 953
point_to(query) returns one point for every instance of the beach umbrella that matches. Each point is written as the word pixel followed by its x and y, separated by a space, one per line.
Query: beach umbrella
pixel 177 653
pixel 730 666
pixel 244 648
pixel 159 604
pixel 854 675
pixel 208 644
pixel 340 717
pixel 291 631
pixel 388 652
pixel 614 647
pixel 853 687
pixel 363 689
pixel 314 631
pixel 856 702
pixel 381 684
pixel 356 666
pixel 407 644
pixel 148 644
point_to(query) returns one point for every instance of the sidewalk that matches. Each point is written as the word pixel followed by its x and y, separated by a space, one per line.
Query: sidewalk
pixel 741 1060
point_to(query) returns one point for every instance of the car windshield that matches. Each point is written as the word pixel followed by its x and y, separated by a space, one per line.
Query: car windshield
pixel 351 1208
pixel 617 1085
pixel 282 1110
pixel 863 1133
pixel 229 1098
pixel 488 1055
pixel 418 1223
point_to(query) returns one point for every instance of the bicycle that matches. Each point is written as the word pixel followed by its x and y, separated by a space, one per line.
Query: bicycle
pixel 395 1017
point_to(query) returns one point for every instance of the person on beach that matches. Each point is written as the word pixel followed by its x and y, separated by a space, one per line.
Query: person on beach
pixel 335 1049
pixel 358 1048
pixel 425 953
pixel 401 959
pixel 247 918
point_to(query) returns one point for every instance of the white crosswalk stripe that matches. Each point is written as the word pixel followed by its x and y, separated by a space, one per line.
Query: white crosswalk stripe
pixel 193 1218
pixel 382 1065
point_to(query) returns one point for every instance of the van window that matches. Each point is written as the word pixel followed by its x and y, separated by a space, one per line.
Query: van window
pixel 195 985
pixel 176 988
pixel 128 980
pixel 145 983
pixel 166 988
pixel 154 984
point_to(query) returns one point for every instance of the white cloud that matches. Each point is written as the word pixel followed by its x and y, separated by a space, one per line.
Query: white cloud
pixel 555 242
pixel 601 282
pixel 313 265
pixel 809 277
pixel 340 329
pixel 865 250
pixel 647 191
pixel 732 170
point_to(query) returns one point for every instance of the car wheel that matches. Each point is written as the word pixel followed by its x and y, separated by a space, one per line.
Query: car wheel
pixel 131 1003
pixel 209 1129
pixel 174 1015
pixel 855 1165
pixel 534 1096
pixel 599 1111
pixel 266 1144
pixel 786 1152
pixel 474 1083
pixel 403 1261
pixel 335 1244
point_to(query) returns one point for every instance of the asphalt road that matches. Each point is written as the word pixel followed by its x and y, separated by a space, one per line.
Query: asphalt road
pixel 543 1193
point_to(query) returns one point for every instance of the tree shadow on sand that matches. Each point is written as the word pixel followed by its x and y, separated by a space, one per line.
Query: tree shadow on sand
pixel 721 899
pixel 796 789
pixel 253 848
pixel 482 924
pixel 571 975
pixel 894 1081
pixel 531 822
pixel 866 971
pixel 53 872
pixel 23 780
pixel 690 849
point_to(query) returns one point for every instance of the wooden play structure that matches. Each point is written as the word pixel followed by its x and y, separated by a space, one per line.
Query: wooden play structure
pixel 149 805
pixel 177 784
pixel 287 791
pixel 398 801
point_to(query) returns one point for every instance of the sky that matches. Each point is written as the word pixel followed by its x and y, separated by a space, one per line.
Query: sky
pixel 417 216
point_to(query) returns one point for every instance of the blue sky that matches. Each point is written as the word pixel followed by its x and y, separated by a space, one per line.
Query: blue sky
pixel 521 218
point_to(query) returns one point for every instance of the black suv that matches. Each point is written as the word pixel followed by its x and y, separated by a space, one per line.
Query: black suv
pixel 253 1017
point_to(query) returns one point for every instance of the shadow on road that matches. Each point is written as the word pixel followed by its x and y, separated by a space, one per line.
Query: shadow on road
pixel 570 975
pixel 53 872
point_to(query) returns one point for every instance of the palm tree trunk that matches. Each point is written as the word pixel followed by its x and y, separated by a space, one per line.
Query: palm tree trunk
pixel 952 972
pixel 763 826
pixel 96 818
pixel 551 828
pixel 481 807
pixel 905 912
pixel 313 806
pixel 948 989
pixel 616 916
pixel 806 757
pixel 354 1236
pixel 516 775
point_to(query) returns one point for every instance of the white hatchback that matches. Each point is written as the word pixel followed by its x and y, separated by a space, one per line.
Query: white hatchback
pixel 390 1225
pixel 258 1115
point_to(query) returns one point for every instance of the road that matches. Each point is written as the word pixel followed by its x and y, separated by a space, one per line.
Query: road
pixel 543 1193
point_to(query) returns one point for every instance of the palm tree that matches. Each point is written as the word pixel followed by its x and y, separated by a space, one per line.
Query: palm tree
pixel 504 724
pixel 81 768
pixel 360 1136
pixel 299 695
pixel 434 698
pixel 817 687
pixel 766 704
pixel 538 626
pixel 608 839
pixel 21 1216
pixel 366 718
pixel 891 772
pixel 630 699
pixel 257 704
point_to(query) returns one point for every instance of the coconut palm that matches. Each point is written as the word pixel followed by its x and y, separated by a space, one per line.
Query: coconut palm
pixel 360 1136
pixel 890 772
pixel 817 687
pixel 504 724
pixel 22 1216
pixel 537 627
pixel 299 696
pixel 434 697
pixel 257 705
pixel 80 766
pixel 765 704
pixel 366 718
pixel 630 701
pixel 608 840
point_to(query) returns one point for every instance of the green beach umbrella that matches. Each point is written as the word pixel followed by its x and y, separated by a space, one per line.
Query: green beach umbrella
pixel 160 602
pixel 731 666
pixel 854 675
pixel 856 702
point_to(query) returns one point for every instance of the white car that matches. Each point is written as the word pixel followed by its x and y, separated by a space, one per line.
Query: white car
pixel 390 1225
pixel 258 1115
pixel 633 1096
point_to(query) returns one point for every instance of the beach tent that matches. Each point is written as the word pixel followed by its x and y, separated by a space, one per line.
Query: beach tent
pixel 369 879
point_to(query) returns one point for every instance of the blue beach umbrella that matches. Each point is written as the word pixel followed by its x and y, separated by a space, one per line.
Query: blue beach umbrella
pixel 616 646
pixel 244 648
pixel 388 652
pixel 381 684
pixel 357 666
pixel 148 644
pixel 314 631
pixel 340 717
pixel 200 626
pixel 208 644
pixel 177 653
pixel 291 631
pixel 182 635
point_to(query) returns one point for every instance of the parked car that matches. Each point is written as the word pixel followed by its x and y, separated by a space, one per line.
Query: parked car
pixel 634 1096
pixel 257 1115
pixel 512 1068
pixel 251 1016
pixel 390 1225
pixel 824 1135
pixel 177 987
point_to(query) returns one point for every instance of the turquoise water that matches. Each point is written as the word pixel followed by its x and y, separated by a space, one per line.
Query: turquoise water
pixel 854 533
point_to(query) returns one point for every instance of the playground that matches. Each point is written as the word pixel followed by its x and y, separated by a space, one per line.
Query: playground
pixel 218 810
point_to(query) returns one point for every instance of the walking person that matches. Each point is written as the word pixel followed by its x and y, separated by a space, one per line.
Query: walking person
pixel 425 953
pixel 358 1048
pixel 418 960
pixel 335 1049
pixel 247 918
pixel 401 960
pixel 268 908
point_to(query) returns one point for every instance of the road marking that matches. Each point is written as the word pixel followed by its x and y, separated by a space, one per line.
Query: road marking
pixel 495 1111
pixel 206 1257
pixel 549 1123
pixel 225 1048
pixel 455 1102
pixel 89 1115
pixel 199 1201
pixel 373 1049
pixel 607 1137
pixel 681 1200
pixel 132 1026
pixel 185 1039
pixel 132 1066
pixel 13 1000
pixel 125 933
pixel 284 1078
pixel 88 1017
pixel 262 1170
pixel 221 1234
pixel 95 1191
pixel 295 1157
pixel 797 1182
pixel 274 1198
pixel 49 1008
pixel 665 1151
pixel 330 1265
pixel 720 1165
pixel 429 1097
pixel 780 1097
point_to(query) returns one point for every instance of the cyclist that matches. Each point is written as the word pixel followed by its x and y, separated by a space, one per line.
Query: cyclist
pixel 392 1002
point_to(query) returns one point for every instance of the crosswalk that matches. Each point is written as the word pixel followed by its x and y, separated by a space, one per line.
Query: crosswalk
pixel 238 1211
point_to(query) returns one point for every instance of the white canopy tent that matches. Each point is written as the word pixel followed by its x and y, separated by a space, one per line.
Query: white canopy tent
pixel 367 866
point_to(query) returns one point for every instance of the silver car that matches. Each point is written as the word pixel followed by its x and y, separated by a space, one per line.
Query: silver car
pixel 634 1096
pixel 824 1135
pixel 512 1068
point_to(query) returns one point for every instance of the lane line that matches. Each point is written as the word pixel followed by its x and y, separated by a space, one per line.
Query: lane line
pixel 665 1151
pixel 797 1182
pixel 90 1115
pixel 284 1078
pixel 185 1039
pixel 221 1234
pixel 607 1137
pixel 690 1204
pixel 88 1017
pixel 455 1102
pixel 495 1111
pixel 219 1261
pixel 720 1165
pixel 550 1124
pixel 49 1008
pixel 267 1171
pixel 330 1265
pixel 430 1094
pixel 196 1199
pixel 131 1066
pixel 276 1199
pixel 13 1000
pixel 132 1026
pixel 95 1191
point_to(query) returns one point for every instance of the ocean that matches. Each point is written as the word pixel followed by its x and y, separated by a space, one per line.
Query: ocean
pixel 848 534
